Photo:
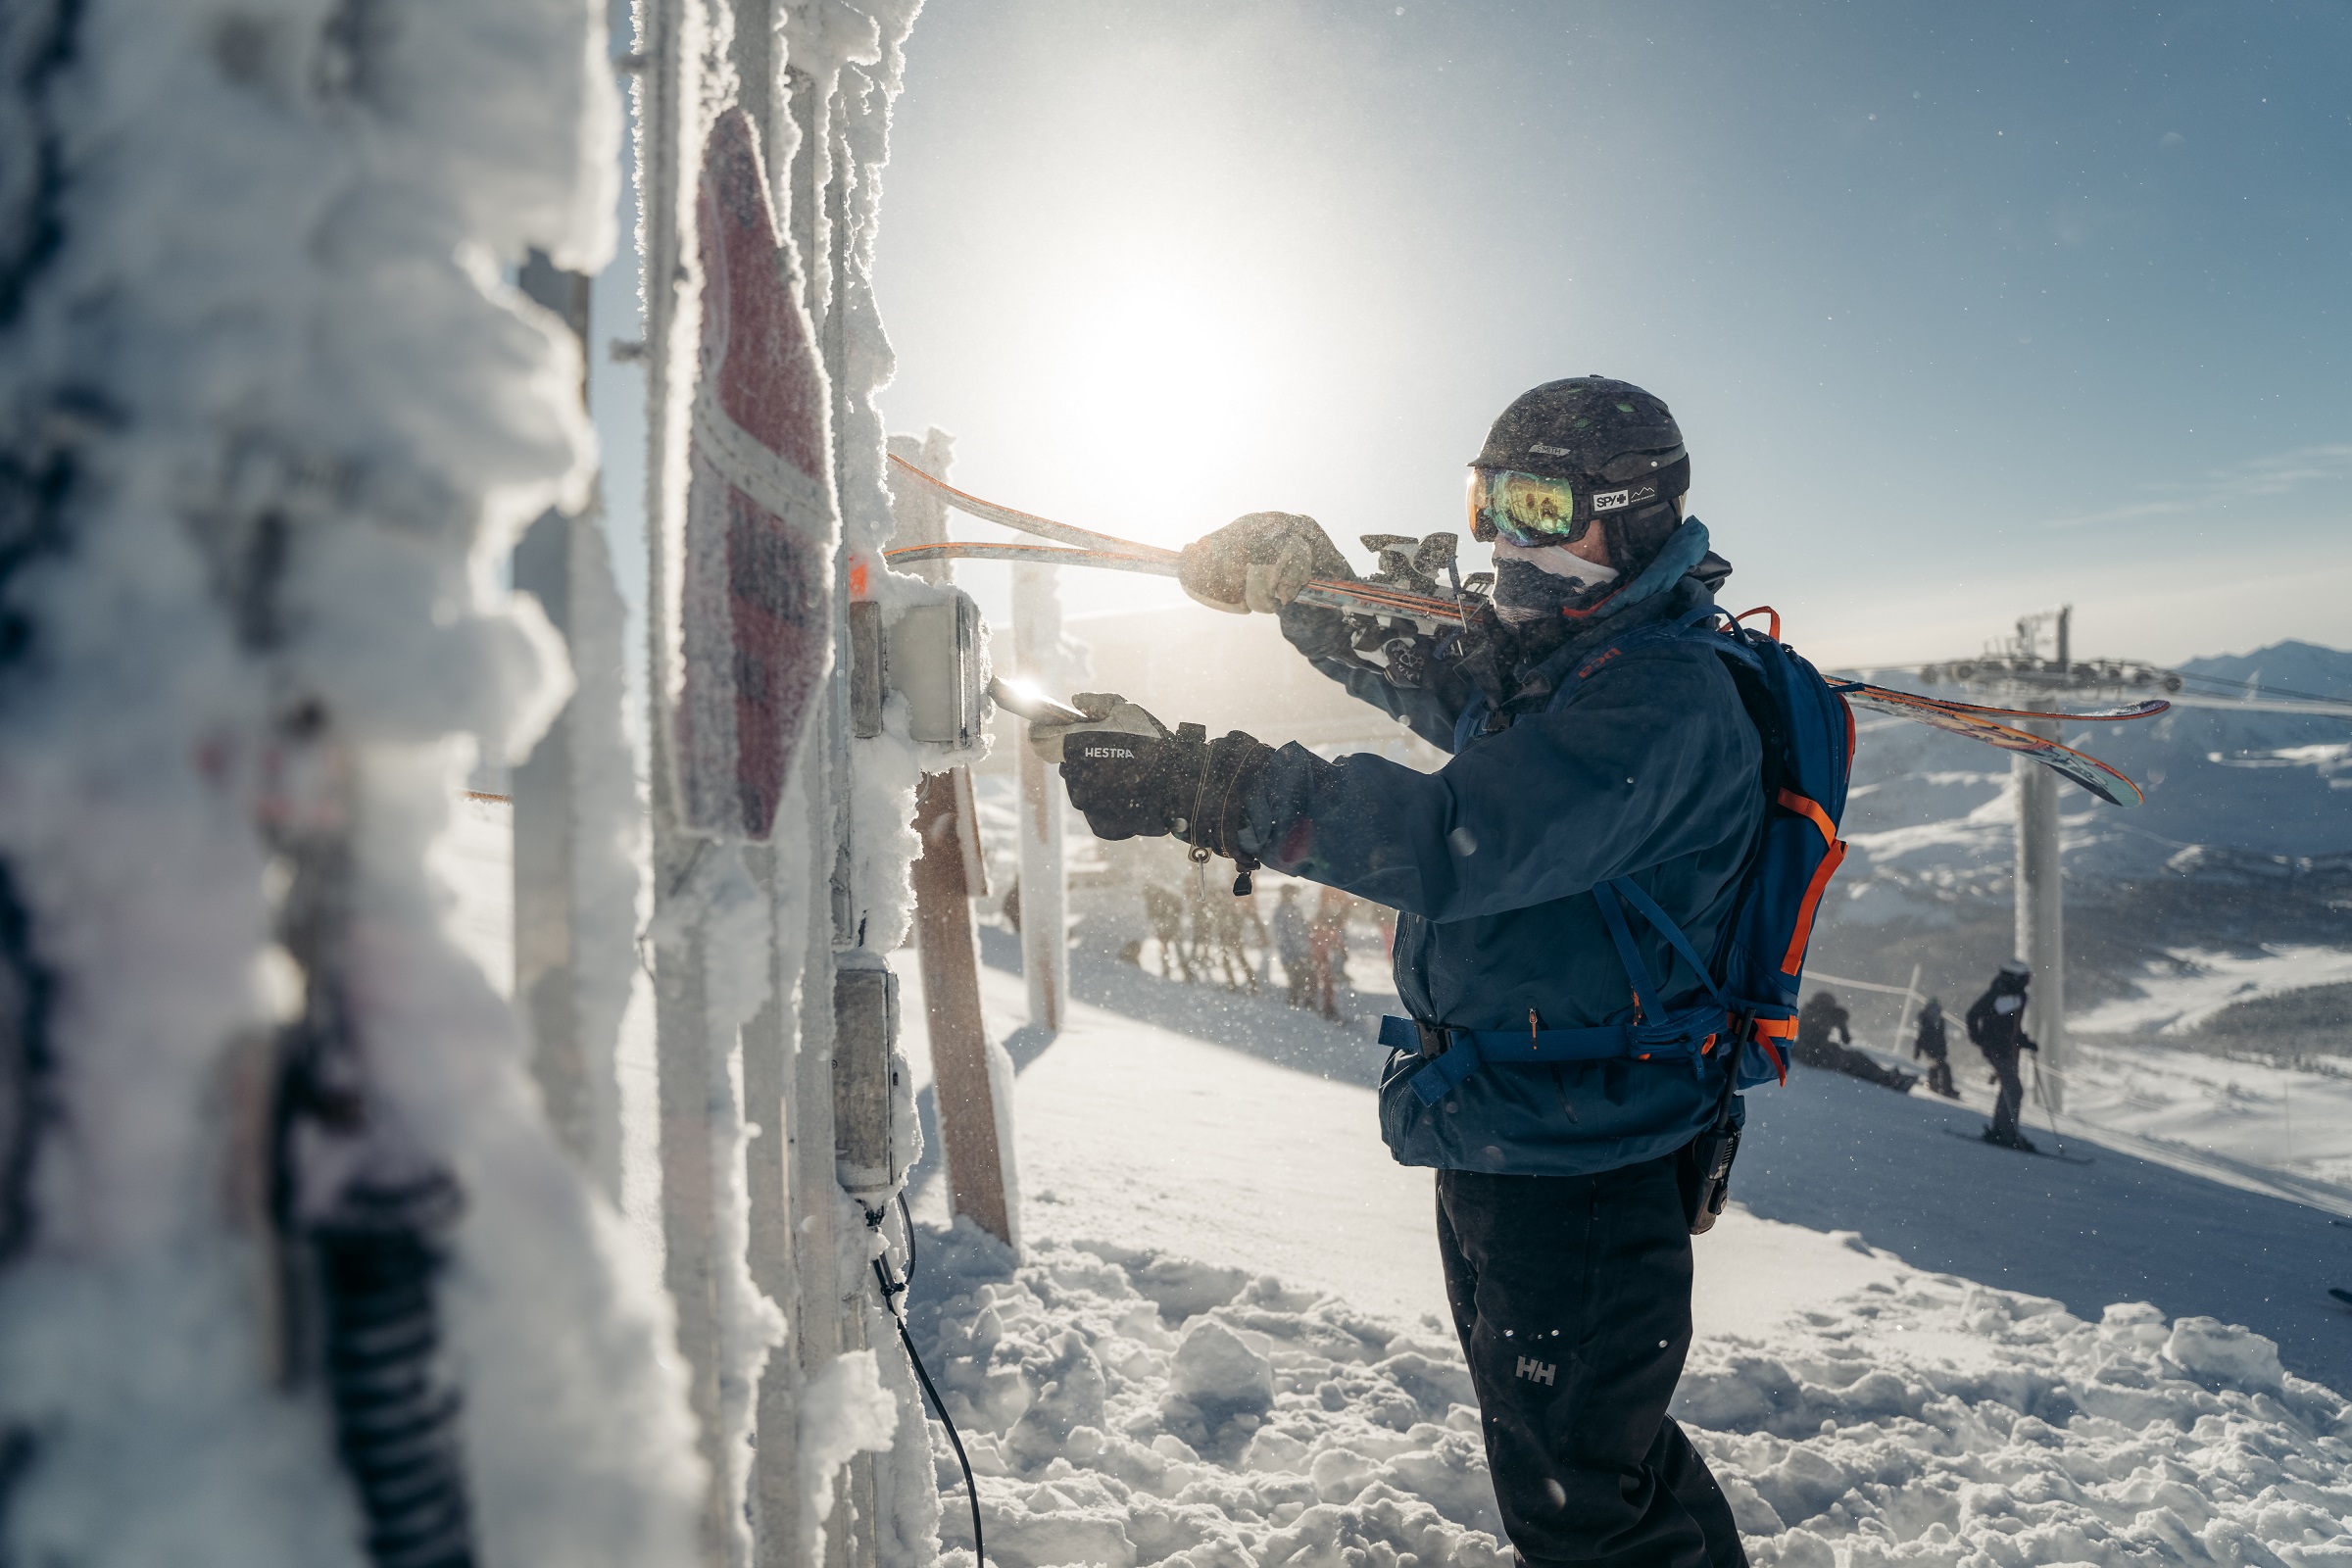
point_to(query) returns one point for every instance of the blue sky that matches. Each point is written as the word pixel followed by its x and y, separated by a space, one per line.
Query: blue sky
pixel 1965 310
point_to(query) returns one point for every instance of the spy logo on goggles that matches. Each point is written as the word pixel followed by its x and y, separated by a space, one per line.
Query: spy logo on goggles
pixel 1613 500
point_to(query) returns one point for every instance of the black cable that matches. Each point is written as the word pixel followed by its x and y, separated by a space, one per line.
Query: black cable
pixel 892 1289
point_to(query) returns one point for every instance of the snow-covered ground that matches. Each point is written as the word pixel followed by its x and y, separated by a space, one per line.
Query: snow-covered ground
pixel 2242 1120
pixel 1127 1406
pixel 1226 1343
pixel 2176 998
pixel 2136 1080
pixel 2295 1123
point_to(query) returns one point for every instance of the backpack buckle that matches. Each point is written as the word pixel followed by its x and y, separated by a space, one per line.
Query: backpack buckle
pixel 1435 1038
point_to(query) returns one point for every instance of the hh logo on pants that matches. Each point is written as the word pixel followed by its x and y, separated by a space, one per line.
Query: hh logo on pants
pixel 1536 1371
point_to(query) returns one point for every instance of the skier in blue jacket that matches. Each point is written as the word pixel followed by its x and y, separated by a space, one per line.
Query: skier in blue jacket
pixel 1562 1214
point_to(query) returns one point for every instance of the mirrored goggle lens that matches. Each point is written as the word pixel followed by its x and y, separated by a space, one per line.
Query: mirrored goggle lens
pixel 1527 508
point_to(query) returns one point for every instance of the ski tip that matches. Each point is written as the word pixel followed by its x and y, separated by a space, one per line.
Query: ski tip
pixel 2108 784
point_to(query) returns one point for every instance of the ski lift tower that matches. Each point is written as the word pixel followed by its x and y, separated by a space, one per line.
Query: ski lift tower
pixel 2018 673
pixel 2013 674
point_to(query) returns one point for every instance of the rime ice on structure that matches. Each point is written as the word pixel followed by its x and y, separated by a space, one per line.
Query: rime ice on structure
pixel 857 48
pixel 268 418
pixel 755 775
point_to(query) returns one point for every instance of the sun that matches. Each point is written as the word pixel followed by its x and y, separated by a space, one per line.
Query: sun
pixel 1155 382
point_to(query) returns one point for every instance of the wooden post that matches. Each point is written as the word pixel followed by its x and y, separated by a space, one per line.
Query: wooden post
pixel 980 1170
pixel 981 1182
pixel 1044 882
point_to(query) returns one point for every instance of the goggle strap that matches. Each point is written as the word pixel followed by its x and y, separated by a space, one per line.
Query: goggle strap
pixel 1664 484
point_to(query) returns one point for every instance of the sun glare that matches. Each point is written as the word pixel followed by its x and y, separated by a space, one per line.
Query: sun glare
pixel 1156 376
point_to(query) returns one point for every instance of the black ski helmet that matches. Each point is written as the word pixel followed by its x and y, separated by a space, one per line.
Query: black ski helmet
pixel 1607 437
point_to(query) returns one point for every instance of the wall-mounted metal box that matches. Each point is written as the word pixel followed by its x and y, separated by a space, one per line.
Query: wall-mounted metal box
pixel 934 663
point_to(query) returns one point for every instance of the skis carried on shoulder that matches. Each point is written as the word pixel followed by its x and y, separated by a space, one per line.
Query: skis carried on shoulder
pixel 1084 547
pixel 1351 597
pixel 1966 718
pixel 2148 709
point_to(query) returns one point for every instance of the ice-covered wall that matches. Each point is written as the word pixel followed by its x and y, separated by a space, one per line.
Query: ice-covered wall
pixel 885 768
pixel 853 53
pixel 268 418
pixel 760 295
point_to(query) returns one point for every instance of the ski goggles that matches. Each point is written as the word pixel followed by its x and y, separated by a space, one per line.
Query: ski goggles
pixel 1536 508
pixel 1527 508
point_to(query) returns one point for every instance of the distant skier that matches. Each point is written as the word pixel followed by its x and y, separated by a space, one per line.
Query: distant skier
pixel 1928 1046
pixel 1293 944
pixel 1225 949
pixel 1816 1021
pixel 1165 910
pixel 1997 1026
pixel 1329 936
pixel 1579 757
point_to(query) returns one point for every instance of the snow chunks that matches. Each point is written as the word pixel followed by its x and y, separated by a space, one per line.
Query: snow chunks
pixel 2208 1348
pixel 1130 1410
pixel 1066 1386
pixel 1931 1420
pixel 1216 1378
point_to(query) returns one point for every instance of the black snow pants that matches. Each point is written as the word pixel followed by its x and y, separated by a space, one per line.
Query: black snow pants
pixel 1572 1296
pixel 2010 1100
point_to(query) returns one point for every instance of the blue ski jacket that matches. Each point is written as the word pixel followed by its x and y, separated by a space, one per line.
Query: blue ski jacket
pixel 1649 768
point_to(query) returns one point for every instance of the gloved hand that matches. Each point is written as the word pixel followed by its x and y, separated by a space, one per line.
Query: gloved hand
pixel 1108 713
pixel 1129 785
pixel 1259 563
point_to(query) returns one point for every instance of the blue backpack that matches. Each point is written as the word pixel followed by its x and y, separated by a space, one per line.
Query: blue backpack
pixel 1808 737
pixel 1755 975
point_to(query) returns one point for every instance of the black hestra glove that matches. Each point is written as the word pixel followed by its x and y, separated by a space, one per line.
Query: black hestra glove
pixel 1140 786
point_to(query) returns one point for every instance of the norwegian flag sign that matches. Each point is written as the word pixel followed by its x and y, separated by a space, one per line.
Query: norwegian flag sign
pixel 754 607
